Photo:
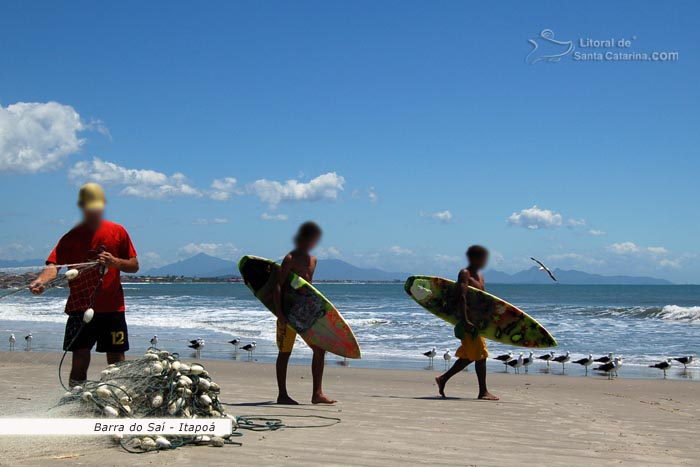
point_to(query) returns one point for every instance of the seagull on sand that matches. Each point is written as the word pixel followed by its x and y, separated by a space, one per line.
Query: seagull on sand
pixel 606 359
pixel 197 345
pixel 664 366
pixel 516 363
pixel 563 359
pixel 585 362
pixel 235 343
pixel 250 348
pixel 528 361
pixel 545 269
pixel 28 339
pixel 505 358
pixel 548 357
pixel 685 361
pixel 154 341
pixel 610 368
pixel 447 356
pixel 13 339
pixel 431 355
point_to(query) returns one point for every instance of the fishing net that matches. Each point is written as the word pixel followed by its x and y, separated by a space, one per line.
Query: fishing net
pixel 157 385
pixel 82 279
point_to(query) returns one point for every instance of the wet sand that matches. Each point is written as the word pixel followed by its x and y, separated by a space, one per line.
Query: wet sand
pixel 394 418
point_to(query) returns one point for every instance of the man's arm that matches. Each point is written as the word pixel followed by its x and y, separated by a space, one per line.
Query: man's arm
pixel 108 260
pixel 282 274
pixel 48 274
pixel 463 282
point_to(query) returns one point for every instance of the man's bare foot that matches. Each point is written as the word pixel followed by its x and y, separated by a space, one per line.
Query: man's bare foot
pixel 286 400
pixel 441 386
pixel 322 399
pixel 487 396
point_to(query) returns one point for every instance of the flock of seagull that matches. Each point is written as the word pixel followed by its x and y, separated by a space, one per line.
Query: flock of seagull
pixel 607 364
pixel 198 344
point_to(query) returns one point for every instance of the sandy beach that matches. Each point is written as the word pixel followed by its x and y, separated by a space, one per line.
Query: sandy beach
pixel 392 418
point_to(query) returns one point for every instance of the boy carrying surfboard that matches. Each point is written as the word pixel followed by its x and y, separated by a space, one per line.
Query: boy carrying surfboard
pixel 473 348
pixel 301 262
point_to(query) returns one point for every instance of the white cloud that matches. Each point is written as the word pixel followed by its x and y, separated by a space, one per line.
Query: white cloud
pixel 535 218
pixel 15 251
pixel 38 137
pixel 220 250
pixel 372 195
pixel 448 259
pixel 400 251
pixel 215 220
pixel 323 187
pixel 657 250
pixel 575 259
pixel 671 263
pixel 140 183
pixel 223 188
pixel 443 216
pixel 274 217
pixel 151 260
pixel 623 248
pixel 328 252
pixel 596 233
pixel 575 223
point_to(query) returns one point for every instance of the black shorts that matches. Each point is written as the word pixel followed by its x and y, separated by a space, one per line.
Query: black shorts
pixel 108 330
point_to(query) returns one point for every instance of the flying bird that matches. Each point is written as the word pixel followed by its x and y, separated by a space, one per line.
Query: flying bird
pixel 585 362
pixel 685 361
pixel 431 355
pixel 663 366
pixel 545 268
pixel 606 359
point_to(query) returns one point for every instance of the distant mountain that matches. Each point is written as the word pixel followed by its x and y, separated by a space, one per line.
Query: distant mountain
pixel 335 269
pixel 203 265
pixel 200 265
pixel 10 263
pixel 535 276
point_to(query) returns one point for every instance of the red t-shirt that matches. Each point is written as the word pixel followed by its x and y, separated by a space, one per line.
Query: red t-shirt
pixel 82 244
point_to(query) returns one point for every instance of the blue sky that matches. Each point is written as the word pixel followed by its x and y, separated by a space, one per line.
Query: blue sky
pixel 409 130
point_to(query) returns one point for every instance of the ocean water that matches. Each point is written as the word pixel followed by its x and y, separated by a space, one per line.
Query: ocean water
pixel 643 323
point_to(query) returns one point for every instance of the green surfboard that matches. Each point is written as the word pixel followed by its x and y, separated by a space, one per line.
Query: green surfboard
pixel 494 319
pixel 308 312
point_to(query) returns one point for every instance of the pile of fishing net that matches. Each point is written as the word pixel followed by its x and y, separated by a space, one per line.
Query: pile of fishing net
pixel 157 385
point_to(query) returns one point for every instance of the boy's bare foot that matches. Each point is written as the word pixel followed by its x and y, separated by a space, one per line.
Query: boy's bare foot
pixel 441 386
pixel 286 400
pixel 487 396
pixel 322 399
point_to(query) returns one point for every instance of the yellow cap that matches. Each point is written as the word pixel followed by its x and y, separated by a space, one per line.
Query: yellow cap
pixel 91 197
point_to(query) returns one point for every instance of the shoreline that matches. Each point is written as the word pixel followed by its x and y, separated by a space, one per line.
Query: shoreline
pixel 391 417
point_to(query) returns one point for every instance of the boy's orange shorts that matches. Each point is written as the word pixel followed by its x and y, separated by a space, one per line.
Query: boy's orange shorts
pixel 472 348
pixel 285 338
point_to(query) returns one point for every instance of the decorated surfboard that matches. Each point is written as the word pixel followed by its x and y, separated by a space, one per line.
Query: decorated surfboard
pixel 494 319
pixel 308 312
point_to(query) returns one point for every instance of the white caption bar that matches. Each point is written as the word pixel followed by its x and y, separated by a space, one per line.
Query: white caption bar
pixel 126 426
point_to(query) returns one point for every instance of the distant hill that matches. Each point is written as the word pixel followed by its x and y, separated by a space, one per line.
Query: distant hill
pixel 335 269
pixel 203 265
pixel 573 277
pixel 10 263
pixel 200 265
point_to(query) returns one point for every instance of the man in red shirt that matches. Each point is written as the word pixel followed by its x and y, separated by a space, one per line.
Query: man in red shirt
pixel 93 239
